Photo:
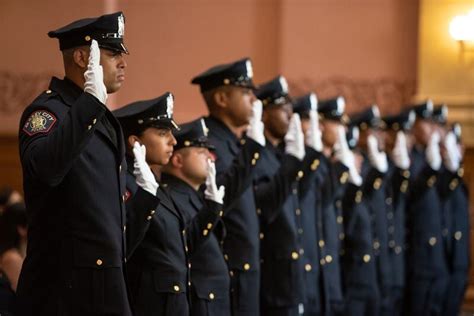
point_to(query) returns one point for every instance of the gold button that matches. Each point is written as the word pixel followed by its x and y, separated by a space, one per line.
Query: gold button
pixel 342 236
pixel 322 262
pixel 211 296
pixel 123 198
pixel 48 91
pixel 205 232
pixel 404 186
pixel 120 168
pixel 295 191
pixel 339 219
pixel 246 267
pixel 298 212
pixel 152 212
pixel 176 288
pixel 124 228
pixel 376 245
pixel 87 38
pixel 231 273
pixel 242 141
pixel 256 155
pixel 377 183
pixel 259 211
pixel 301 251
pixel 366 258
pixel 432 241
pixel 328 259
pixel 89 127
pixel 391 243
pixel 295 255
pixel 254 162
pixel 226 257
pixel 406 174
pixel 315 164
pixel 461 172
pixel 344 177
pixel 308 267
pixel 189 265
pixel 149 217
pixel 183 232
pixel 388 200
pixel 431 181
pixel 189 283
pixel 94 121
pixel 221 213
pixel 99 262
pixel 398 249
pixel 300 174
pixel 338 203
pixel 458 235
pixel 186 248
pixel 453 184
pixel 300 231
pixel 321 243
pixel 209 225
pixel 358 197
pixel 261 235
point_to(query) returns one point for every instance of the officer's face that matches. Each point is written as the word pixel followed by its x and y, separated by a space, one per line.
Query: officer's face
pixel 194 163
pixel 276 119
pixel 159 144
pixel 113 63
pixel 239 105
pixel 422 131
pixel 330 132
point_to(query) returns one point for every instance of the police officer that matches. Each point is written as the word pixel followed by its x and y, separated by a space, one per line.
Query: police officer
pixel 282 231
pixel 159 264
pixel 72 154
pixel 338 167
pixel 310 203
pixel 455 199
pixel 374 172
pixel 187 170
pixel 427 269
pixel 228 93
pixel 396 129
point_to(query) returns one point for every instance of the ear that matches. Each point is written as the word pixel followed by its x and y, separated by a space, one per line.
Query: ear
pixel 81 57
pixel 220 98
pixel 177 160
pixel 132 139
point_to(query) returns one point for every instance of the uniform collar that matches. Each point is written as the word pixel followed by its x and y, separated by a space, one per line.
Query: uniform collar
pixel 177 184
pixel 67 90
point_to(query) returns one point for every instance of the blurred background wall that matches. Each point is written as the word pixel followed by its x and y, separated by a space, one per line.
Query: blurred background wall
pixel 389 52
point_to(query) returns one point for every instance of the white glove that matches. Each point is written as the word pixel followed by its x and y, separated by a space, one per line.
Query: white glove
pixel 141 170
pixel 294 138
pixel 211 192
pixel 433 156
pixel 313 136
pixel 346 156
pixel 452 157
pixel 400 155
pixel 378 159
pixel 256 127
pixel 94 75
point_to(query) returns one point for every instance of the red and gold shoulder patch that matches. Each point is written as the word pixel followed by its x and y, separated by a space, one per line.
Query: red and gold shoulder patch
pixel 40 121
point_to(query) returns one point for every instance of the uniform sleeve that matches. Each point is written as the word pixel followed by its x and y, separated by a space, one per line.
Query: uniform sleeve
pixel 203 224
pixel 49 145
pixel 272 193
pixel 311 170
pixel 140 206
pixel 238 177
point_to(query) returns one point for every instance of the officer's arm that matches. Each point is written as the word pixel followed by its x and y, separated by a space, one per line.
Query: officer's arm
pixel 48 154
pixel 272 193
pixel 201 226
pixel 140 207
pixel 311 170
pixel 238 177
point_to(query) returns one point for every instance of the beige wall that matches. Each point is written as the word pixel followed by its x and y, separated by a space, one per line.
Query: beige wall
pixel 365 49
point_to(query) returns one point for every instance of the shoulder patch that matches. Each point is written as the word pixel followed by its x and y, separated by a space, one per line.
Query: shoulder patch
pixel 127 195
pixel 39 121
